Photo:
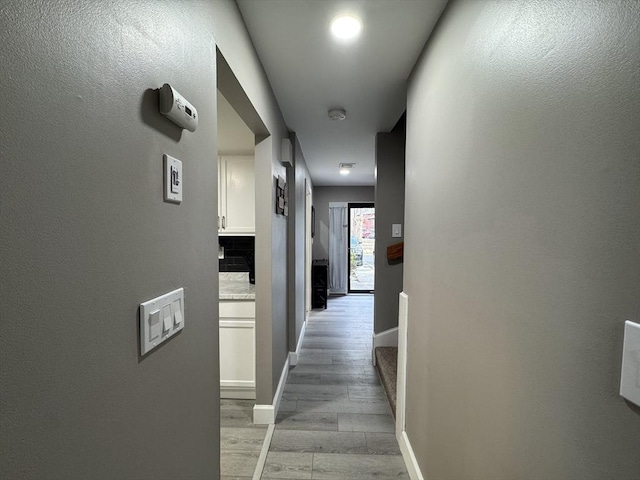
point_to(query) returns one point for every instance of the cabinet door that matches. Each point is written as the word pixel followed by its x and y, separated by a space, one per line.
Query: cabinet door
pixel 221 193
pixel 239 202
pixel 237 349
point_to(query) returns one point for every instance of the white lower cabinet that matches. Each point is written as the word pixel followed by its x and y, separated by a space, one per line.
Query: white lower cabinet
pixel 238 349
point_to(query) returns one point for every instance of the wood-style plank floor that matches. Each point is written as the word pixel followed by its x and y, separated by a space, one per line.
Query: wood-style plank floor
pixel 334 421
pixel 240 440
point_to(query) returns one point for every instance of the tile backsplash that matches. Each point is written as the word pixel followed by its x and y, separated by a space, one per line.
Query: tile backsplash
pixel 239 254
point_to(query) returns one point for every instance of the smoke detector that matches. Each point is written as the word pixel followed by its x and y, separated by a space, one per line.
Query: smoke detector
pixel 337 114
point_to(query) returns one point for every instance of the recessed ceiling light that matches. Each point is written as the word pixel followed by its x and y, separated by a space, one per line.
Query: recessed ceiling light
pixel 345 168
pixel 346 27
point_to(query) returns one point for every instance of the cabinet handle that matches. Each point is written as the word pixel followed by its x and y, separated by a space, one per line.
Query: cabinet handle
pixel 224 223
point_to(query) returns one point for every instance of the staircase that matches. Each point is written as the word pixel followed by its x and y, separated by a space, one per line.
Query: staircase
pixel 387 365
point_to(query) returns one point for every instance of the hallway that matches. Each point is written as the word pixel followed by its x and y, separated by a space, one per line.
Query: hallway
pixel 334 422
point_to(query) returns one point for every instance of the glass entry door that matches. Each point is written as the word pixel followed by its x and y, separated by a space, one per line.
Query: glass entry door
pixel 362 235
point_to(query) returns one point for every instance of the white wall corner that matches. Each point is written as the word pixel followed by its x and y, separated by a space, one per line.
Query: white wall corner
pixel 409 457
pixel 401 381
pixel 263 414
pixel 293 359
pixel 293 356
pixel 266 414
pixel 388 338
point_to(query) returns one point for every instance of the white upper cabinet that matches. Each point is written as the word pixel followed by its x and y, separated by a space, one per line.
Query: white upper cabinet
pixel 236 195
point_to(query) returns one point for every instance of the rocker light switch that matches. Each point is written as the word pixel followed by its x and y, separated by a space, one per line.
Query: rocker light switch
pixel 160 319
pixel 177 313
pixel 154 325
pixel 166 318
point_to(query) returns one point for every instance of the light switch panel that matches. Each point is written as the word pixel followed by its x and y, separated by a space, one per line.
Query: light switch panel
pixel 160 319
pixel 630 376
pixel 396 230
pixel 172 179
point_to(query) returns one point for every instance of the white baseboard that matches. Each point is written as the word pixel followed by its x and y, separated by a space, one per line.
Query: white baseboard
pixel 388 338
pixel 238 389
pixel 262 459
pixel 263 414
pixel 293 356
pixel 266 414
pixel 409 457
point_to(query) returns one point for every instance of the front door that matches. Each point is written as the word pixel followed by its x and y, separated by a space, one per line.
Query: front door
pixel 362 235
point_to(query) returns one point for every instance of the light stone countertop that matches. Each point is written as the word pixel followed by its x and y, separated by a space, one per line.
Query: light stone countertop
pixel 236 286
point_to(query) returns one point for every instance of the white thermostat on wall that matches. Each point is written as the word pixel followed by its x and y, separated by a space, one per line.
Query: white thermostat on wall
pixel 176 108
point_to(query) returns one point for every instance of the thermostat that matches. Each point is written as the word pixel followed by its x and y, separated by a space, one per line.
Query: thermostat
pixel 176 108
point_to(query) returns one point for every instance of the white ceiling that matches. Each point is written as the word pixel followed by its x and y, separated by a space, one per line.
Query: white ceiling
pixel 310 73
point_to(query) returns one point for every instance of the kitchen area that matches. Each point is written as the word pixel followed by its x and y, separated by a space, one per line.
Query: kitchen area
pixel 236 254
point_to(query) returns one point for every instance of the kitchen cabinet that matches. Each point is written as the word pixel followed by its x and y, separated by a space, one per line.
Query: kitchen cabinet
pixel 236 195
pixel 237 349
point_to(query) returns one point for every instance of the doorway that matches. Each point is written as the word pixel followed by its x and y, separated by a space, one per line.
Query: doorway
pixel 362 235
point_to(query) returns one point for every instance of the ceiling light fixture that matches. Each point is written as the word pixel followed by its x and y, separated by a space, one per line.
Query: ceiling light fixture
pixel 345 168
pixel 337 114
pixel 346 27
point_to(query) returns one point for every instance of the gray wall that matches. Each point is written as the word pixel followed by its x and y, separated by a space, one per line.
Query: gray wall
pixel 389 198
pixel 297 177
pixel 248 90
pixel 321 198
pixel 86 237
pixel 523 241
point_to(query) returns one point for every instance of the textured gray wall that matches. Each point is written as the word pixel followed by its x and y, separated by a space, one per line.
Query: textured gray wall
pixel 297 176
pixel 322 196
pixel 389 195
pixel 251 96
pixel 523 241
pixel 86 237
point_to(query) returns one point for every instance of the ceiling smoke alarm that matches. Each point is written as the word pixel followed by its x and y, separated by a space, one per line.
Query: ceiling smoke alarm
pixel 337 114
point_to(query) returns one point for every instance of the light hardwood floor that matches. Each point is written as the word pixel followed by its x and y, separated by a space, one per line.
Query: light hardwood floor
pixel 334 421
pixel 240 440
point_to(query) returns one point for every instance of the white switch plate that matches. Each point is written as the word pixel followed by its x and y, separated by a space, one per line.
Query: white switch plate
pixel 155 328
pixel 396 230
pixel 630 377
pixel 172 179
